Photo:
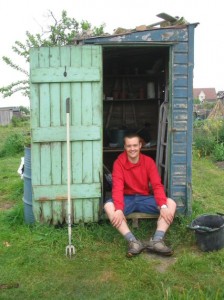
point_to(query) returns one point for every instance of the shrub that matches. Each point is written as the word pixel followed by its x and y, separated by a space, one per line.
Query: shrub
pixel 204 144
pixel 19 121
pixel 14 144
pixel 197 101
pixel 198 124
pixel 218 152
pixel 221 133
pixel 207 135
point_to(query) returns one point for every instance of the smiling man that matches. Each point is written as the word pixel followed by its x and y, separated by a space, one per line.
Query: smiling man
pixel 133 175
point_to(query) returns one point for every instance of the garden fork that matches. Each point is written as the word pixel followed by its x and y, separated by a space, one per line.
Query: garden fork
pixel 70 249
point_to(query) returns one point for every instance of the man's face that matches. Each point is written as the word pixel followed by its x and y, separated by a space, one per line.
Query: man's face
pixel 132 147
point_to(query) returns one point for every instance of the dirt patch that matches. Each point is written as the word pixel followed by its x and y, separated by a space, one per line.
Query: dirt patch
pixel 107 276
pixel 5 206
pixel 220 164
pixel 161 263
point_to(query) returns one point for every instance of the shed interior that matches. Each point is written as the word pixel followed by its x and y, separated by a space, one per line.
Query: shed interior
pixel 135 84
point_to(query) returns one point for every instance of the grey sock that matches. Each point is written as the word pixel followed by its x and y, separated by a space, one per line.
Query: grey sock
pixel 130 236
pixel 159 235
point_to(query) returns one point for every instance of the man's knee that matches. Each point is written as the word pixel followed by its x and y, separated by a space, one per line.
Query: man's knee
pixel 109 207
pixel 171 204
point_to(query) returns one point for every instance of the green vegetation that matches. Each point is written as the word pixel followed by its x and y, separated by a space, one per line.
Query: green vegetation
pixel 209 138
pixel 197 101
pixel 205 105
pixel 13 144
pixel 57 33
pixel 19 121
pixel 14 137
pixel 33 264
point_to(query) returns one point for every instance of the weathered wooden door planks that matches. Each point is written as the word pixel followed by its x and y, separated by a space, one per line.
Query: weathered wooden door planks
pixel 56 74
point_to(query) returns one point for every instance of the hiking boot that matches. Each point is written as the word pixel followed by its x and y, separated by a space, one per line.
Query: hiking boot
pixel 158 246
pixel 134 248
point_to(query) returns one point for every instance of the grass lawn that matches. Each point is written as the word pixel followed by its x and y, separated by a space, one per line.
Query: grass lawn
pixel 33 264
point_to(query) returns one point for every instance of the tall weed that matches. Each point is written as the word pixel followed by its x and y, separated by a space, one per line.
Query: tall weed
pixel 207 135
pixel 221 133
pixel 15 216
pixel 218 152
pixel 20 121
pixel 204 144
pixel 14 144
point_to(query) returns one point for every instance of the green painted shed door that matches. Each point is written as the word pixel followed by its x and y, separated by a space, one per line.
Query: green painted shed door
pixel 58 73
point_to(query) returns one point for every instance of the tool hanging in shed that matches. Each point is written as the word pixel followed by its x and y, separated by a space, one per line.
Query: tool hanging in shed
pixel 70 249
pixel 162 147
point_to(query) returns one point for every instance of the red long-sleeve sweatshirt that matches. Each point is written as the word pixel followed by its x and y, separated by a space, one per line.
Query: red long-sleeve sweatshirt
pixel 131 179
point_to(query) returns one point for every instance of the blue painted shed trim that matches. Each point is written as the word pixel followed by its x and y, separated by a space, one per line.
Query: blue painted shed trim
pixel 190 117
pixel 166 34
pixel 181 105
pixel 170 136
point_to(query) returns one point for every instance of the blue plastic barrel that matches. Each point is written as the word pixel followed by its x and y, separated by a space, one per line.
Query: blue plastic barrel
pixel 27 197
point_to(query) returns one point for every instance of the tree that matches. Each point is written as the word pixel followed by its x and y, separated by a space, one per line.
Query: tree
pixel 25 110
pixel 60 33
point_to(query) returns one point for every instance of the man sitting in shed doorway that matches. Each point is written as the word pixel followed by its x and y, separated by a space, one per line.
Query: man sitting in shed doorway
pixel 131 176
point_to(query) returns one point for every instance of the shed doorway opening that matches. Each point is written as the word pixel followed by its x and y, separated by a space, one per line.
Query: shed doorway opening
pixel 135 85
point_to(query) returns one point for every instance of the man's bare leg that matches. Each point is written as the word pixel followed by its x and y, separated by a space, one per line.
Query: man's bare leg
pixel 161 223
pixel 110 211
pixel 118 220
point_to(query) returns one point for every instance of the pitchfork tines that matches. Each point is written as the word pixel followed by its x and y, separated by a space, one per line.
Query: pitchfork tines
pixel 70 250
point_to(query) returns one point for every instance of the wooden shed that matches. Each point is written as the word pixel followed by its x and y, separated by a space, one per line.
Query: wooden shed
pixel 141 81
pixel 6 114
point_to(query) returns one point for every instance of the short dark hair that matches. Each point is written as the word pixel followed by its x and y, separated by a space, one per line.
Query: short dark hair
pixel 132 135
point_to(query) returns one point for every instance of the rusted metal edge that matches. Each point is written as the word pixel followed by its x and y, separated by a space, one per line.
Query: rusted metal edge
pixel 58 198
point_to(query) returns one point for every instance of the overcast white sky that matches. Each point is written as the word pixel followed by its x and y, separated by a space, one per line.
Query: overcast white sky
pixel 16 17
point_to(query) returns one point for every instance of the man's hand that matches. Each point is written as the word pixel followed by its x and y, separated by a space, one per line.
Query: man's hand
pixel 167 215
pixel 118 218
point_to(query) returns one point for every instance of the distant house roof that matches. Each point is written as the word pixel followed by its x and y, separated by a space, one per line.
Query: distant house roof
pixel 12 108
pixel 210 93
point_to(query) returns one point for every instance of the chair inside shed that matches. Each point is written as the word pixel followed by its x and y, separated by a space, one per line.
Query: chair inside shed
pixel 135 85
